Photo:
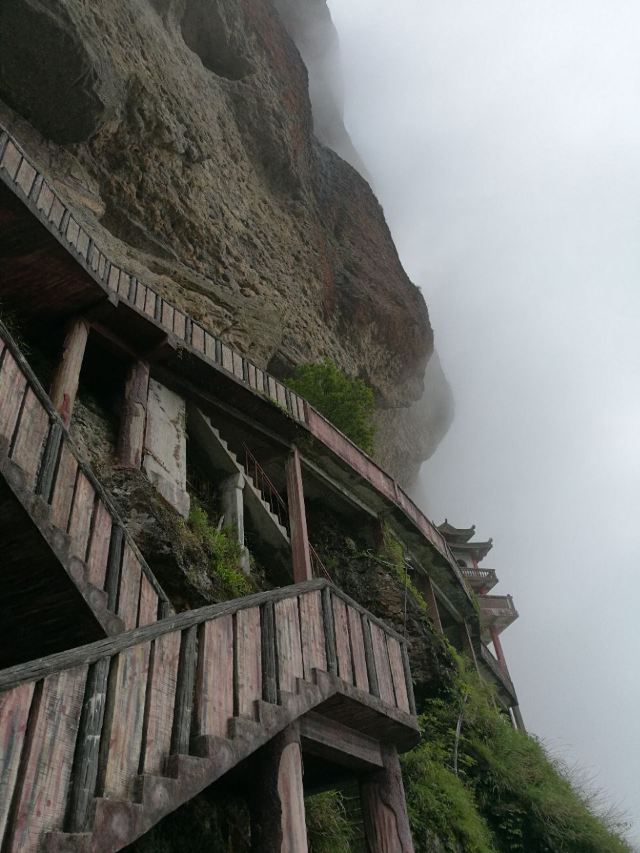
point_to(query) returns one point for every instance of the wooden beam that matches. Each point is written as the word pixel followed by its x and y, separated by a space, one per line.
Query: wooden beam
pixel 64 386
pixel 338 743
pixel 298 520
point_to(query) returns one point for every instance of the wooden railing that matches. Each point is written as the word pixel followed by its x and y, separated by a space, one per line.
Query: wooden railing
pixel 270 494
pixel 34 441
pixel 26 181
pixel 88 722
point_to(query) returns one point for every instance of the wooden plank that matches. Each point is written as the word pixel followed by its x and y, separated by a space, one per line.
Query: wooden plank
pixel 313 643
pixel 122 738
pixel 148 609
pixel 46 476
pixel 248 671
pixel 397 674
pixel 141 295
pixel 30 439
pixel 227 358
pixel 181 731
pixel 81 514
pixel 214 680
pixel 13 384
pixel 361 679
pixel 129 592
pixel 161 697
pixel 43 798
pixel 179 323
pixel 209 345
pixel 197 337
pixel 99 546
pixel 150 303
pixel 288 644
pixel 343 647
pixel 63 488
pixel 383 670
pixel 14 714
pixel 167 315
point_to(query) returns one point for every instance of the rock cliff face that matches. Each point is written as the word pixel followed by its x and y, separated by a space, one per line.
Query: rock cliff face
pixel 186 128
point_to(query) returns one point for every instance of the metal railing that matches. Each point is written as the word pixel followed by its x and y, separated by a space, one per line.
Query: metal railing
pixel 265 486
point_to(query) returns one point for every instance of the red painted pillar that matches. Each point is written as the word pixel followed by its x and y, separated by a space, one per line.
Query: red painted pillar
pixel 64 386
pixel 497 645
pixel 300 555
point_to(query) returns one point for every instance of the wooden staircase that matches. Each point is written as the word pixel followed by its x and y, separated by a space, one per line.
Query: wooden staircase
pixel 43 475
pixel 101 742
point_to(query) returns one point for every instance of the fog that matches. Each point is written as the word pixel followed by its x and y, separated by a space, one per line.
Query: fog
pixel 503 140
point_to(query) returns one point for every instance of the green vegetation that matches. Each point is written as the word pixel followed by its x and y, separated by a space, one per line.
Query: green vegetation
pixel 223 550
pixel 345 401
pixel 507 795
pixel 328 826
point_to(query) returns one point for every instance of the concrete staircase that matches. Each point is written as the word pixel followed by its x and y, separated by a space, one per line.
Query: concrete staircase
pixel 270 524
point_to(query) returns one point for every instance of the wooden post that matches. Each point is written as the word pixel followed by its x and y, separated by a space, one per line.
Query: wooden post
pixel 183 711
pixel 268 652
pixel 467 645
pixel 65 381
pixel 134 416
pixel 277 808
pixel 384 809
pixel 85 764
pixel 298 520
pixel 517 716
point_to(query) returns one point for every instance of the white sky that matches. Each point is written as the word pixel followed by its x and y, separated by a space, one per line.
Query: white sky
pixel 503 138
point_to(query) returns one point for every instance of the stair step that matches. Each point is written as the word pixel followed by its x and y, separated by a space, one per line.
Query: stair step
pixel 242 728
pixel 157 794
pixel 116 822
pixel 67 842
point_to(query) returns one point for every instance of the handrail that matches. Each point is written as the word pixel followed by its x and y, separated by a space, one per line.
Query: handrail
pixel 92 652
pixel 317 565
pixel 266 487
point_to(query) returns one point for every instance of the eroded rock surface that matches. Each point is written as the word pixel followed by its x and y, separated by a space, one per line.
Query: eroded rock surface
pixel 185 129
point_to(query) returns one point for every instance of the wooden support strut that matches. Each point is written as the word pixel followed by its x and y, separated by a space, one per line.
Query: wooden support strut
pixel 64 386
pixel 384 808
pixel 134 416
pixel 300 554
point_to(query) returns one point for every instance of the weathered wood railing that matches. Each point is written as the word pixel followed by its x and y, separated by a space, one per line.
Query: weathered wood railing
pixel 17 170
pixel 80 727
pixel 61 492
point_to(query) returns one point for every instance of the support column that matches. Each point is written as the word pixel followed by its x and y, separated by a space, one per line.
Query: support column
pixel 298 520
pixel 497 645
pixel 232 493
pixel 134 416
pixel 277 809
pixel 384 809
pixel 64 386
pixel 432 603
pixel 467 645
pixel 517 716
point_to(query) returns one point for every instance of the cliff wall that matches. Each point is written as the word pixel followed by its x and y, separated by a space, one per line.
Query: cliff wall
pixel 185 127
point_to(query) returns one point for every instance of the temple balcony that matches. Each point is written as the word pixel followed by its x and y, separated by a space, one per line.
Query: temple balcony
pixel 496 611
pixel 480 580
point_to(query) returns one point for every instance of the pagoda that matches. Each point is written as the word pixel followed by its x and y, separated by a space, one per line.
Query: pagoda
pixel 497 612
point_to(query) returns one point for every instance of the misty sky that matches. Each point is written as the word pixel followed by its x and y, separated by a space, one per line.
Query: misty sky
pixel 503 140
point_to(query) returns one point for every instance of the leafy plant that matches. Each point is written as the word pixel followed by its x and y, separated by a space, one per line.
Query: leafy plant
pixel 346 401
pixel 223 550
pixel 328 826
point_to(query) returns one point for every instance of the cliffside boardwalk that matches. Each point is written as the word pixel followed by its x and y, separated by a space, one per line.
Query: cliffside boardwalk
pixel 115 710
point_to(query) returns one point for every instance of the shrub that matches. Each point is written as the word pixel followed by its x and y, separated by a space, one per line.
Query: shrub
pixel 328 827
pixel 347 402
pixel 223 550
